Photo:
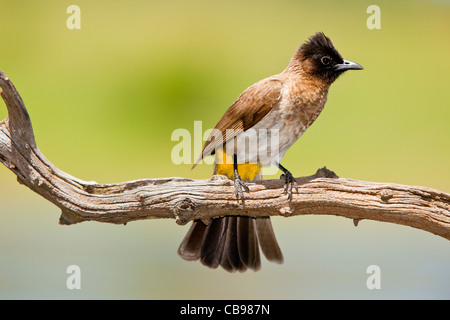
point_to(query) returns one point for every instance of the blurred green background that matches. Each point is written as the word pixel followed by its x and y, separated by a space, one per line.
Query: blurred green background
pixel 105 99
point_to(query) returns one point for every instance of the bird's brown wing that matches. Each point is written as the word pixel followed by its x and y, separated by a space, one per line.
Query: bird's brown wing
pixel 249 108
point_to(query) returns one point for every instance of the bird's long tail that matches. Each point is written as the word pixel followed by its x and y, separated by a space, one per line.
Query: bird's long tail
pixel 232 242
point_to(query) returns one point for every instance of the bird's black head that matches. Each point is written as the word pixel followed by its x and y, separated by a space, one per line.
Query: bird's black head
pixel 320 58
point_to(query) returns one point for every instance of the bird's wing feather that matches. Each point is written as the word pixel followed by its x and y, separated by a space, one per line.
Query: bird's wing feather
pixel 248 109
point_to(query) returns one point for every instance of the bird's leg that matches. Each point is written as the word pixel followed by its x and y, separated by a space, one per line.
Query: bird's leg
pixel 238 184
pixel 289 181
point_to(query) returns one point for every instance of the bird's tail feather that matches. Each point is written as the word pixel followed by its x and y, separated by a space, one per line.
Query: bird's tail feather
pixel 232 242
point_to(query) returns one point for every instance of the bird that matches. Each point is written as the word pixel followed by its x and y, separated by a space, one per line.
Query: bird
pixel 279 108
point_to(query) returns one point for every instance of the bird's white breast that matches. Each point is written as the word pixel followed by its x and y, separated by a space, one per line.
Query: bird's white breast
pixel 267 142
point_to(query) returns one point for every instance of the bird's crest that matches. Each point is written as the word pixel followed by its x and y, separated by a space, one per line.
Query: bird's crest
pixel 319 44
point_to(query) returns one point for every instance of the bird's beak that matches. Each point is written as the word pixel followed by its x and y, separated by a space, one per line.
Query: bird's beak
pixel 349 65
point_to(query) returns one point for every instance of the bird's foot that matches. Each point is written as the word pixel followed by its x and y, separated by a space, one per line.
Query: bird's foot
pixel 289 182
pixel 239 187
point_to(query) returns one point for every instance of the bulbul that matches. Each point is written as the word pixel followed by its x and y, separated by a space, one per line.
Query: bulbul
pixel 256 130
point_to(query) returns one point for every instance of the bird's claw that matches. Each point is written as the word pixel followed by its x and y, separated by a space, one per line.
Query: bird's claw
pixel 289 182
pixel 239 187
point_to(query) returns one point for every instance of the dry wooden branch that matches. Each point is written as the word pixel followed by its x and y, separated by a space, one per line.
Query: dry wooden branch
pixel 186 199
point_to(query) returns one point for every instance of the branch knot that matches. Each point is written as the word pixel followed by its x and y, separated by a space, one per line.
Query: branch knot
pixel 184 211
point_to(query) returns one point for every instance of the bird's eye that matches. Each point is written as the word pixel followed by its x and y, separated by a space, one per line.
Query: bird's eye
pixel 325 60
